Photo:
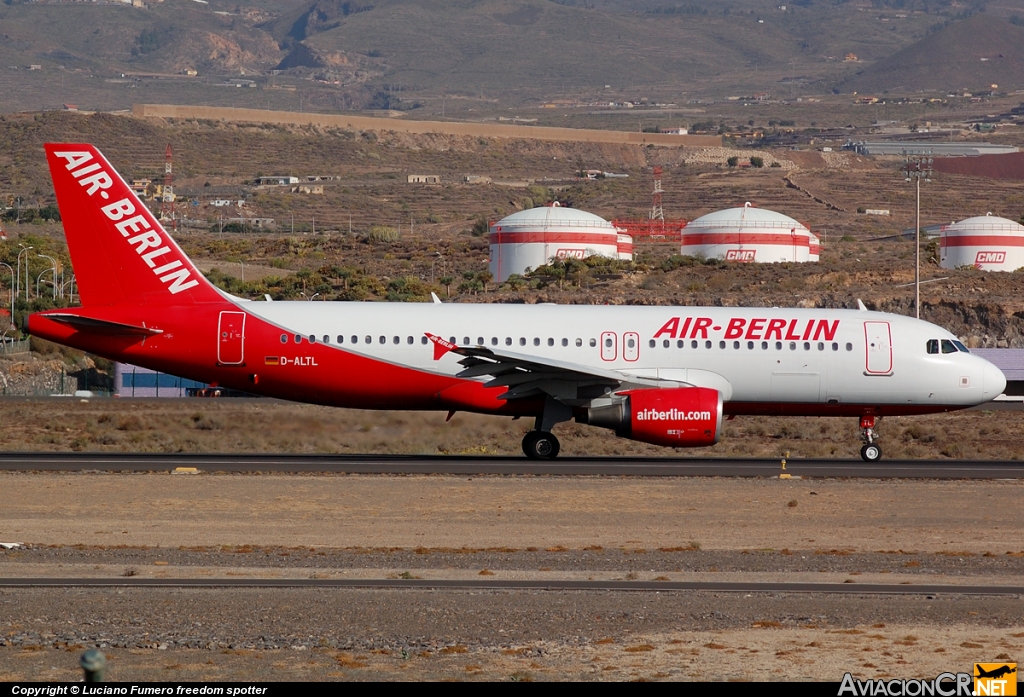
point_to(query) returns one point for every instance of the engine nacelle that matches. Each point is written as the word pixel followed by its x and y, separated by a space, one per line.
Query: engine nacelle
pixel 678 417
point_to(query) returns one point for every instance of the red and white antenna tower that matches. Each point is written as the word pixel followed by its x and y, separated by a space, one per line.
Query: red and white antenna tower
pixel 657 212
pixel 167 203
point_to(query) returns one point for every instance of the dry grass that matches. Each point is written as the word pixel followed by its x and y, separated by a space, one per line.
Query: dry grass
pixel 263 426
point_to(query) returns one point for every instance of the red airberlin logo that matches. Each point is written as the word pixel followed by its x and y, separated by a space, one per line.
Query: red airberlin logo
pixel 148 243
pixel 755 328
pixel 990 258
pixel 740 254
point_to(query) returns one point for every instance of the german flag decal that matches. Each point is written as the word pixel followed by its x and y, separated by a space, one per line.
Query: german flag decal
pixel 271 360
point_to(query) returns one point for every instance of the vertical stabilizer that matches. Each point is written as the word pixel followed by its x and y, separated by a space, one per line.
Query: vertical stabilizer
pixel 120 252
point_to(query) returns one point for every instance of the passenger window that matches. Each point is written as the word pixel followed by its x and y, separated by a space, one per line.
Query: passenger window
pixel 835 346
pixel 452 339
pixel 593 343
pixel 764 345
pixel 355 339
pixel 369 339
pixel 465 340
pixel 807 346
pixel 666 343
pixel 707 344
pixel 494 341
pixel 565 342
pixel 652 343
pixel 933 345
pixel 849 346
pixel 508 341
pixel 397 340
pixel 680 344
pixel 778 345
pixel 721 344
pixel 341 339
pixel 579 342
pixel 479 341
pixel 327 339
pixel 948 347
pixel 284 338
pixel 693 344
pixel 298 338
pixel 821 345
pixel 735 344
pixel 409 340
pixel 312 339
pixel 383 340
pixel 424 340
pixel 750 344
pixel 522 341
pixel 536 341
pixel 792 346
pixel 551 342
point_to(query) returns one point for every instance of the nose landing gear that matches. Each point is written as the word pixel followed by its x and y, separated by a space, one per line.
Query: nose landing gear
pixel 871 452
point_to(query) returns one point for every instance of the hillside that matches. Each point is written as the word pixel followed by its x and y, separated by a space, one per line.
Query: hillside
pixel 971 54
pixel 353 54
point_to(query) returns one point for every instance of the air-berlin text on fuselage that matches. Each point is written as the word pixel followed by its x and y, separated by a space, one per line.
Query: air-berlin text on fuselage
pixel 174 274
pixel 765 328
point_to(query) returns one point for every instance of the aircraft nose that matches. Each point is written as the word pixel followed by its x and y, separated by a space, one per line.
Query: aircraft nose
pixel 993 381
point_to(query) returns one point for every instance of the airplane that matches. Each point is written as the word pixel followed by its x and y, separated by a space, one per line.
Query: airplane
pixel 660 375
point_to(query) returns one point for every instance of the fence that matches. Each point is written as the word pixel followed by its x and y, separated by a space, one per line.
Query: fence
pixel 7 347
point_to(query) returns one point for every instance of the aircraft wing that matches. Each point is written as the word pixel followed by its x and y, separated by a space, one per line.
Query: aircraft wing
pixel 529 376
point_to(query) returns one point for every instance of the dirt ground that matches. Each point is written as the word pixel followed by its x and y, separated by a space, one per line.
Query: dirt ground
pixel 230 526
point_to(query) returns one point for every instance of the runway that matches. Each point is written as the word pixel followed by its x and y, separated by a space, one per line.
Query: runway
pixel 520 585
pixel 475 465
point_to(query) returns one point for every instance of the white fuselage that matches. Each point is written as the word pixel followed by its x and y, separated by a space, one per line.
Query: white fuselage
pixel 753 356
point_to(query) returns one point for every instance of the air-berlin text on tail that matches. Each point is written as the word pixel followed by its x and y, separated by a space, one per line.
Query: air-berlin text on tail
pixel 778 328
pixel 132 224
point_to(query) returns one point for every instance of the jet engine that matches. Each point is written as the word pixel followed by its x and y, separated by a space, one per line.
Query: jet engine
pixel 678 417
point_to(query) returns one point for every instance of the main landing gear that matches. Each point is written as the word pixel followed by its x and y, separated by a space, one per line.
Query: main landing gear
pixel 870 452
pixel 540 445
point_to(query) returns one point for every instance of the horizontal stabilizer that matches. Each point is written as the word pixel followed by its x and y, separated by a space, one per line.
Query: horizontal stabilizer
pixel 101 326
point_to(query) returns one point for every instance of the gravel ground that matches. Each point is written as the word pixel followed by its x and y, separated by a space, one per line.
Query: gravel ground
pixel 227 526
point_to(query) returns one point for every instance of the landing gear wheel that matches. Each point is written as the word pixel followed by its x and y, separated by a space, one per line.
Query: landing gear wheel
pixel 871 453
pixel 540 445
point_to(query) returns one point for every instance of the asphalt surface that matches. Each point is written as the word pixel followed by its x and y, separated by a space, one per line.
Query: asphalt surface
pixel 552 585
pixel 470 465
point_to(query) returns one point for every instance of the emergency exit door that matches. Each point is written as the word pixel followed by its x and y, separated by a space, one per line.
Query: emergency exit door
pixel 231 338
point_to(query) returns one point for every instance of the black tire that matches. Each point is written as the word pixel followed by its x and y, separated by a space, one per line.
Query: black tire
pixel 871 453
pixel 540 445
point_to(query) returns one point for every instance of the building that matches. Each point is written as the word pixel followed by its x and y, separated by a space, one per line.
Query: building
pixel 424 179
pixel 133 381
pixel 277 180
pixel 924 147
pixel 987 242
pixel 525 240
pixel 749 234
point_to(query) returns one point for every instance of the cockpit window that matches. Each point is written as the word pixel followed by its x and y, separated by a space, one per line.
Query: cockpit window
pixel 960 347
pixel 948 347
pixel 933 345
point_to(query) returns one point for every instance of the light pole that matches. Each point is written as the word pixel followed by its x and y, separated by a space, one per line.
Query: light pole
pixel 23 250
pixel 53 262
pixel 916 168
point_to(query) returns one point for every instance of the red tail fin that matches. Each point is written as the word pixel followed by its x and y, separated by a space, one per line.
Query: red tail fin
pixel 120 253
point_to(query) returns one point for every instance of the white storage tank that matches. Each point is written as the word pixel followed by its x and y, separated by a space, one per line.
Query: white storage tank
pixel 987 242
pixel 749 234
pixel 532 238
pixel 625 246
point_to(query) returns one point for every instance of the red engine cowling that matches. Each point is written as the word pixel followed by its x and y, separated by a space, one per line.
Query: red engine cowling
pixel 679 417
